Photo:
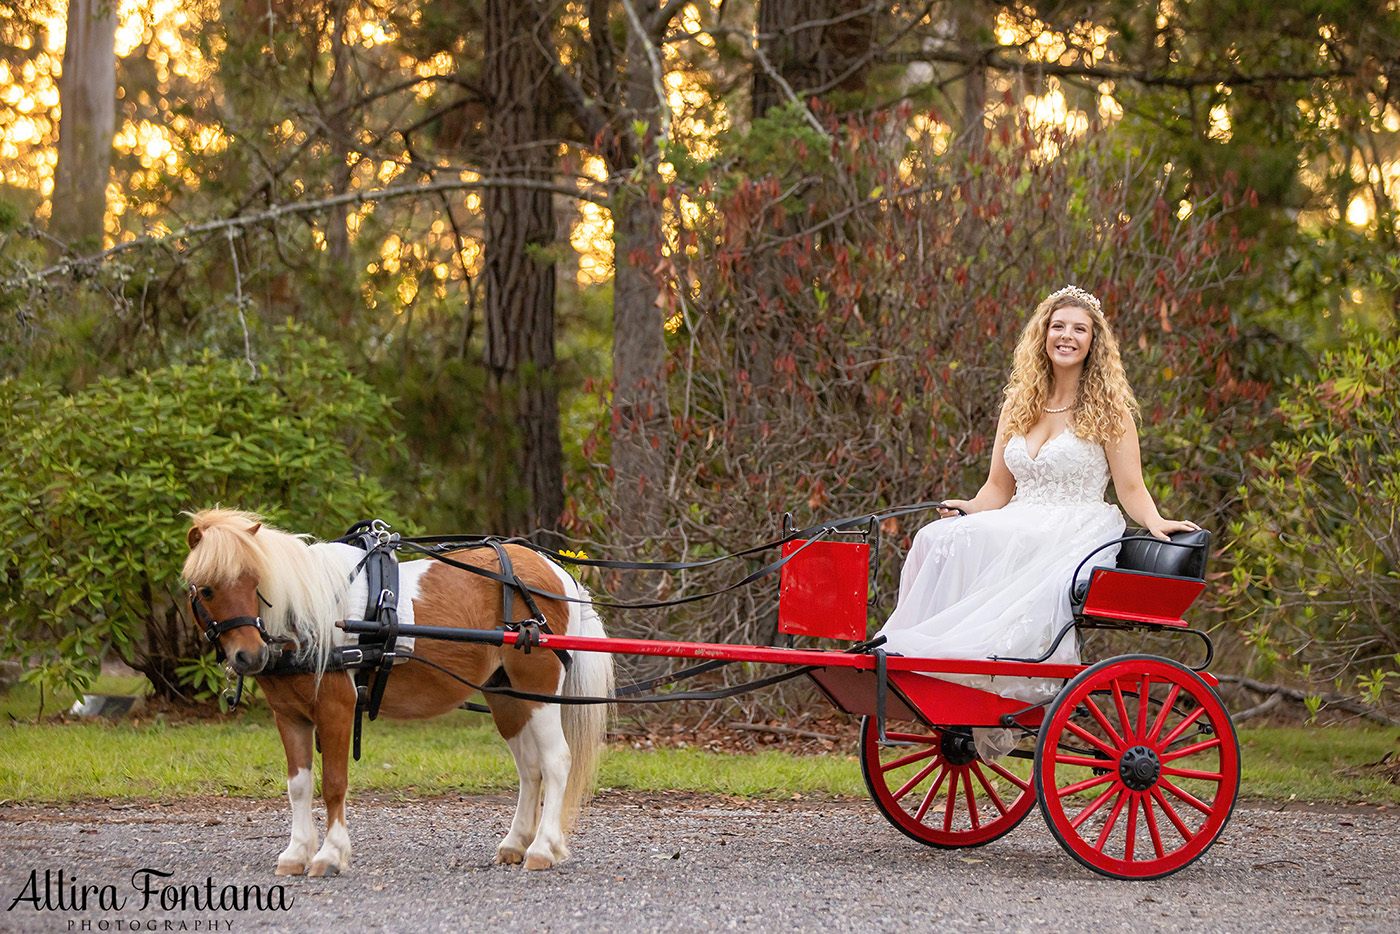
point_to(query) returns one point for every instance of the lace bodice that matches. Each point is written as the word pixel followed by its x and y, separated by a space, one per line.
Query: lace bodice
pixel 1067 469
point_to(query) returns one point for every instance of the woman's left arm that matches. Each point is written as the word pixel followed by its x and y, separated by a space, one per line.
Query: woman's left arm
pixel 1125 461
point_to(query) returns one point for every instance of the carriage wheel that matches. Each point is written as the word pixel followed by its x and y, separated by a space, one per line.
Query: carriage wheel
pixel 1137 767
pixel 938 791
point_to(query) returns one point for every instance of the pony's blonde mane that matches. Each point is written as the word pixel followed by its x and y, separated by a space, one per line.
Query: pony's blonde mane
pixel 306 585
pixel 1104 394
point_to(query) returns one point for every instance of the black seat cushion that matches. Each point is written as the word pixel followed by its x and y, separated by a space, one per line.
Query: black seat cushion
pixel 1157 557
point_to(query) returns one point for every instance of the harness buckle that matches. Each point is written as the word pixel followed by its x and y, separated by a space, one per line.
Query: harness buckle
pixel 381 531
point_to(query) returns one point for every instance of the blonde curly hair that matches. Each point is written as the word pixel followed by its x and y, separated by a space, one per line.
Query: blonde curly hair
pixel 1103 394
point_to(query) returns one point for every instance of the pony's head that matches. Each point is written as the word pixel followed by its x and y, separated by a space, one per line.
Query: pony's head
pixel 237 562
pixel 224 568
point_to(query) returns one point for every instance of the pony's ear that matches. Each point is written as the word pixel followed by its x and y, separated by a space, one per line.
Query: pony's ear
pixel 254 529
pixel 194 537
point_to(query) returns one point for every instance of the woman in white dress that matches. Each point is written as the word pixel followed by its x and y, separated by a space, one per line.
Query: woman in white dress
pixel 995 582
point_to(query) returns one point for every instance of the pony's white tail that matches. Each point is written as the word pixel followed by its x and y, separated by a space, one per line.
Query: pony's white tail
pixel 585 725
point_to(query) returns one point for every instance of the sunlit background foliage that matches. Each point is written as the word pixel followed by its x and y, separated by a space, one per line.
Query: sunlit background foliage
pixel 734 259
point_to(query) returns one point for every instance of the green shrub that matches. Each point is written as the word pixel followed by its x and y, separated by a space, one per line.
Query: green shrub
pixel 1319 546
pixel 93 484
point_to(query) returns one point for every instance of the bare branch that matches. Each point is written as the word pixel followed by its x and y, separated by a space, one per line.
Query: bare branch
pixel 999 62
pixel 277 212
pixel 654 58
pixel 1339 701
pixel 788 92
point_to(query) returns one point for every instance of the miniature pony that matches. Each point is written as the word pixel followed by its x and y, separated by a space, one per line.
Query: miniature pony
pixel 236 561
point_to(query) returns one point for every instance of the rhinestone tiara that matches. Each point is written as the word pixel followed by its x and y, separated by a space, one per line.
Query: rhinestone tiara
pixel 1076 292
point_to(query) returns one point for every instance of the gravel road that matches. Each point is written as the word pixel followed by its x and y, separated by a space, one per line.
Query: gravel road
pixel 649 862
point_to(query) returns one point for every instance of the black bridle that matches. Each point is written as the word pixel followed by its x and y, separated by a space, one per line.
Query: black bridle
pixel 214 628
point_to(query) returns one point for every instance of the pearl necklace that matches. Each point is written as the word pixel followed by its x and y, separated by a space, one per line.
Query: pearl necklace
pixel 1064 408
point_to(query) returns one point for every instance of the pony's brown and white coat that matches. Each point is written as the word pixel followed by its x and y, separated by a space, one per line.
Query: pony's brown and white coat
pixel 312 585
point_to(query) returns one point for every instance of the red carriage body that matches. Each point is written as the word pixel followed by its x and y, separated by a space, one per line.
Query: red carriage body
pixel 1133 760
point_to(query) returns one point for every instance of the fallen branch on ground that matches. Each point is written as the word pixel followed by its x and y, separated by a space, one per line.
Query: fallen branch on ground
pixel 1337 701
pixel 780 731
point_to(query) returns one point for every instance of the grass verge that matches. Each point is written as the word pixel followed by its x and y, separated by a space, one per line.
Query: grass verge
pixel 461 753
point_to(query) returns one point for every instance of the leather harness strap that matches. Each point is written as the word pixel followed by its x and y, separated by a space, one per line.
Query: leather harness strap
pixel 381 567
pixel 531 628
pixel 373 658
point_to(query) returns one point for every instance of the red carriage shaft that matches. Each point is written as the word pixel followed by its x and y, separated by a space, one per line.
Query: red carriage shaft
pixel 738 653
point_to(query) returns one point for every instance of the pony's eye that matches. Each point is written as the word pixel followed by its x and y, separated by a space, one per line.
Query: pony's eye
pixel 207 593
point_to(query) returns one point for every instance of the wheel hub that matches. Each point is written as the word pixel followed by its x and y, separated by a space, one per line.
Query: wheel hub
pixel 959 749
pixel 1139 768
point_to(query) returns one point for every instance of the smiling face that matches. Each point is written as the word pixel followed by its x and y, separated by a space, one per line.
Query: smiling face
pixel 1069 336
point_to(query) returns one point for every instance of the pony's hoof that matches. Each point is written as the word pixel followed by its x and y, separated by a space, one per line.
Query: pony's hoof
pixel 538 862
pixel 324 869
pixel 509 857
pixel 290 869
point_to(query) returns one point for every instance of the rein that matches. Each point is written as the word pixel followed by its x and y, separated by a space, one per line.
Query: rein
pixel 376 655
pixel 836 525
pixel 432 546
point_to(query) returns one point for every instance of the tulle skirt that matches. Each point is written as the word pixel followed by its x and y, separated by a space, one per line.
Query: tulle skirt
pixel 996 583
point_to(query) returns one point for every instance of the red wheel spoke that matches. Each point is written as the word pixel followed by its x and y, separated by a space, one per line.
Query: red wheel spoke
pixel 1085 761
pixel 921 739
pixel 905 760
pixel 952 803
pixel 1109 824
pixel 1123 719
pixel 991 792
pixel 1172 816
pixel 1099 802
pixel 971 800
pixel 1167 705
pixel 1103 721
pixel 1129 844
pixel 1144 696
pixel 1182 727
pixel 1186 796
pixel 1195 773
pixel 928 798
pixel 1153 828
pixel 1091 739
pixel 910 785
pixel 1189 750
pixel 1085 785
pixel 1012 777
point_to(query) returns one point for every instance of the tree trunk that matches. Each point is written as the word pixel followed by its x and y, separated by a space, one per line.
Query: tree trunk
pixel 523 399
pixel 974 30
pixel 337 119
pixel 87 99
pixel 641 410
pixel 811 59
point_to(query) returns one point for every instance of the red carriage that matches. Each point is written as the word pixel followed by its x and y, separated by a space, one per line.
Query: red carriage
pixel 1133 760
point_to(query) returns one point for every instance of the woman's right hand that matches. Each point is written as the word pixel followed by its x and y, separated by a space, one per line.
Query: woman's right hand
pixel 950 507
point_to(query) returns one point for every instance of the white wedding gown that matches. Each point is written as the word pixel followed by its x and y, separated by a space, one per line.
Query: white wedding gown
pixel 996 583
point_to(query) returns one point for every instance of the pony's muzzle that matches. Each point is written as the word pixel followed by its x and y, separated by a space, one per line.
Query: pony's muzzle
pixel 252 661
